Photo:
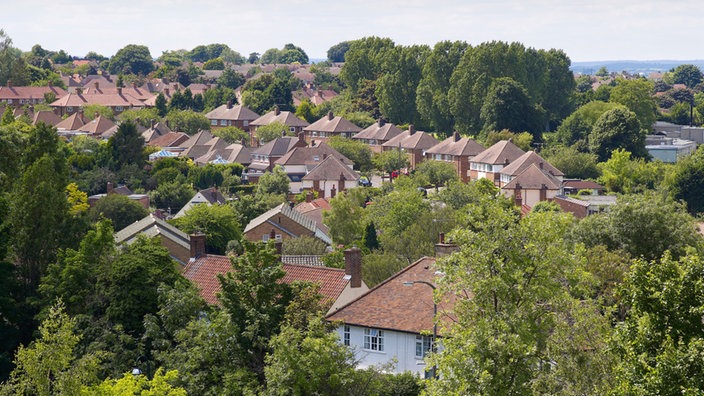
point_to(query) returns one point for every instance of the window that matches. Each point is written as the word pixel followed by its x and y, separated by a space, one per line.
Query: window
pixel 245 123
pixel 69 109
pixel 213 122
pixel 346 335
pixel 423 345
pixel 118 108
pixel 223 122
pixel 292 129
pixel 374 340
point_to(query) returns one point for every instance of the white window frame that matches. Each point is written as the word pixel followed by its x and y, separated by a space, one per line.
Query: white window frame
pixel 346 335
pixel 245 123
pixel 424 344
pixel 374 340
pixel 213 122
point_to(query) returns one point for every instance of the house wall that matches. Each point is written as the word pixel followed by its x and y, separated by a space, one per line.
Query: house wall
pixel 177 251
pixel 579 211
pixel 226 123
pixel 281 221
pixel 324 187
pixel 399 345
pixel 531 197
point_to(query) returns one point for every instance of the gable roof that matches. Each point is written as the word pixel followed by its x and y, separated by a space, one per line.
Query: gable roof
pixel 308 155
pixel 278 147
pixel 111 100
pixel 380 130
pixel 457 146
pixel 522 163
pixel 28 92
pixel 170 139
pixel 152 226
pixel 331 168
pixel 332 124
pixel 204 271
pixel 533 178
pixel 411 139
pixel 46 116
pixel 284 117
pixel 499 153
pixel 72 122
pixel 97 125
pixel 391 305
pixel 235 152
pixel 230 112
pixel 300 218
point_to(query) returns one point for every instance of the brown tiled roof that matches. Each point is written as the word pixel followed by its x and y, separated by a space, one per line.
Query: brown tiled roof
pixel 331 168
pixel 412 140
pixel 111 100
pixel 331 280
pixel 284 117
pixel 199 138
pixel 171 139
pixel 391 305
pixel 235 113
pixel 332 124
pixel 71 123
pixel 533 178
pixel 582 185
pixel 499 153
pixel 314 210
pixel 522 163
pixel 97 126
pixel 233 153
pixel 278 147
pixel 46 116
pixel 307 155
pixel 457 146
pixel 158 129
pixel 142 94
pixel 30 92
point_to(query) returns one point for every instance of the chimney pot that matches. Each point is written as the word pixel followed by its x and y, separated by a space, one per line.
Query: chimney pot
pixel 411 129
pixel 229 104
pixel 9 83
pixel 166 91
pixel 134 85
pixel 330 115
pixel 382 122
pixel 197 244
pixel 119 90
pixel 353 266
pixel 309 197
pixel 457 136
pixel 96 85
pixel 276 110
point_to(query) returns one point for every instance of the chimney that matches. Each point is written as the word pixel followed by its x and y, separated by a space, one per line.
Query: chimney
pixel 197 244
pixel 518 195
pixel 506 161
pixel 291 204
pixel 9 83
pixel 382 122
pixel 276 110
pixel 152 124
pixel 176 87
pixel 229 104
pixel 166 91
pixel 301 137
pixel 330 115
pixel 543 192
pixel 325 155
pixel 110 189
pixel 456 136
pixel 214 194
pixel 442 248
pixel 96 85
pixel 50 84
pixel 79 90
pixel 540 165
pixel 411 129
pixel 333 191
pixel 96 115
pixel 341 182
pixel 119 91
pixel 353 266
pixel 309 196
pixel 134 85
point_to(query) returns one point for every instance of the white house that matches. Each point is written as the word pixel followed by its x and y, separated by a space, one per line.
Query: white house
pixel 489 163
pixel 393 320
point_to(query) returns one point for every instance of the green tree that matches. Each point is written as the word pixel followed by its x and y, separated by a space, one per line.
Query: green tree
pixel 371 242
pixel 187 121
pixel 118 208
pixel 432 95
pixel 217 96
pixel 575 129
pixel 161 384
pixel 47 366
pixel 636 95
pixel 336 53
pixel 214 64
pixel 8 116
pixel 232 134
pixel 363 61
pixel 573 163
pixel 172 195
pixel 269 132
pixel 507 106
pixel 687 181
pixel 262 94
pixel 126 146
pixel 304 245
pixel 274 182
pixel 617 129
pixel 523 140
pixel 305 111
pixel 438 173
pixel 390 161
pixel 160 104
pixel 355 150
pixel 625 175
pixel 231 79
pixel 396 87
pixel 217 222
pixel 346 216
pixel 132 59
pixel 688 74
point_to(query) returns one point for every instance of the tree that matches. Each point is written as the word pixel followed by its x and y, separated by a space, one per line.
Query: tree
pixel 346 216
pixel 253 58
pixel 132 59
pixel 363 61
pixel 269 132
pixel 92 111
pixel 636 95
pixel 575 129
pixel 161 384
pixel 232 134
pixel 438 173
pixel 336 53
pixel 172 195
pixel 230 79
pixel 126 146
pixel 371 242
pixel 625 175
pixel 214 64
pixel 47 366
pixel 358 152
pixel 688 74
pixel 305 111
pixel 262 94
pixel 304 245
pixel 270 56
pixel 687 181
pixel 160 104
pixel 274 182
pixel 8 117
pixel 118 208
pixel 187 121
pixel 217 222
pixel 215 97
pixel 507 106
pixel 293 54
pixel 617 129
pixel 396 87
pixel 572 163
pixel 390 161
pixel 432 94
pixel 523 140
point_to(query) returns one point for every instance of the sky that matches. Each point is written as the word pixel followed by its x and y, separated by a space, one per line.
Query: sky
pixel 586 30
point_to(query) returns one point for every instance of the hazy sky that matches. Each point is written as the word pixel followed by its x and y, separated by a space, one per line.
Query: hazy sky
pixel 585 29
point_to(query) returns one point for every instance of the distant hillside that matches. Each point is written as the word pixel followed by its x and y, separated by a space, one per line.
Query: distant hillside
pixel 632 67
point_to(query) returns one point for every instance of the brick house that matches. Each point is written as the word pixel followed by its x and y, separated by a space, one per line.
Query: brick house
pixel 413 143
pixel 19 96
pixel 330 177
pixel 263 158
pixel 117 102
pixel 330 126
pixel 301 160
pixel 377 134
pixel 457 150
pixel 295 125
pixel 229 115
pixel 522 163
pixel 488 163
pixel 285 223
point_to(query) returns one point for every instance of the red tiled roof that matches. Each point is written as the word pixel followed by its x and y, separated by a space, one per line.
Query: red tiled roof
pixel 533 178
pixel 71 123
pixel 111 100
pixel 29 92
pixel 332 124
pixel 393 306
pixel 332 280
pixel 499 153
pixel 97 126
pixel 170 139
pixel 284 117
pixel 412 140
pixel 457 146
pixel 235 113
pixel 46 116
pixel 582 185
pixel 522 163
pixel 380 130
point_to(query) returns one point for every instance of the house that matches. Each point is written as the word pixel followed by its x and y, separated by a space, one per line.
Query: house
pixel 394 319
pixel 118 102
pixel 19 96
pixel 178 243
pixel 535 184
pixel 457 150
pixel 94 88
pixel 669 150
pixel 232 153
pixel 585 205
pixel 377 134
pixel 71 123
pixel 315 95
pixel 574 186
pixel 488 163
pixel 154 131
pixel 200 144
pixel 209 196
pixel 301 160
pixel 330 177
pixel 263 158
pixel 143 199
pixel 229 115
pixel 413 143
pixel 314 208
pixel 294 124
pixel 517 166
pixel 97 126
pixel 46 116
pixel 337 286
pixel 170 140
pixel 284 223
pixel 330 126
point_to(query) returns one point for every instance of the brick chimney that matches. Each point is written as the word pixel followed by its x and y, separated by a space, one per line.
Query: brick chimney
pixel 333 191
pixel 456 136
pixel 309 197
pixel 543 192
pixel 229 104
pixel 341 182
pixel 79 90
pixel 518 195
pixel 119 91
pixel 9 83
pixel 382 122
pixel 330 115
pixel 167 91
pixel 96 85
pixel 353 266
pixel 134 85
pixel 442 248
pixel 110 188
pixel 302 137
pixel 411 129
pixel 197 241
pixel 276 110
